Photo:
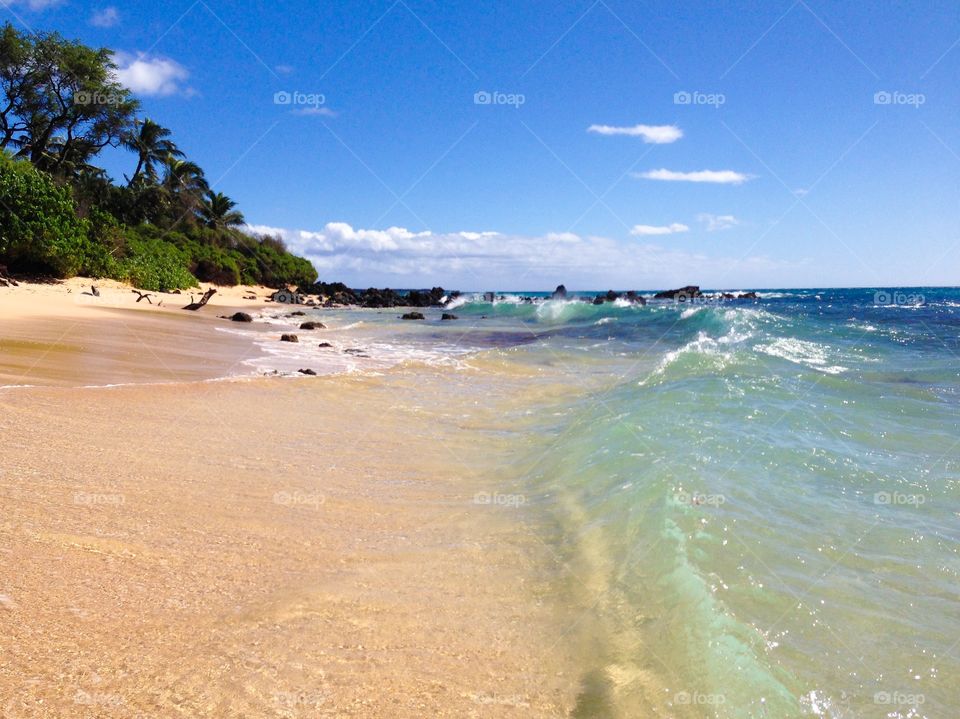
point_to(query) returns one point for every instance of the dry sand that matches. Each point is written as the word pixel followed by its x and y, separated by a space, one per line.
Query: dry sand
pixel 262 548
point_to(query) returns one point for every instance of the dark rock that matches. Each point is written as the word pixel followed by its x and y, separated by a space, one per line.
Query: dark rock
pixel 307 371
pixel 748 296
pixel 560 293
pixel 324 344
pixel 726 296
pixel 289 338
pixel 598 300
pixel 680 295
pixel 413 316
pixel 635 299
pixel 312 326
pixel 241 317
pixel 612 296
pixel 448 316
pixel 298 313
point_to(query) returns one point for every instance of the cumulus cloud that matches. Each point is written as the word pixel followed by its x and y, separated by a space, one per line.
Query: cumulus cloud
pixel 670 229
pixel 717 222
pixel 653 134
pixel 108 17
pixel 723 177
pixel 150 74
pixel 476 260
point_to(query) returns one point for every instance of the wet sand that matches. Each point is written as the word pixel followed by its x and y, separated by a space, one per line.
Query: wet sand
pixel 268 547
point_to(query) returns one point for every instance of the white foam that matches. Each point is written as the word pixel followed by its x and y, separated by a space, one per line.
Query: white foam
pixel 802 352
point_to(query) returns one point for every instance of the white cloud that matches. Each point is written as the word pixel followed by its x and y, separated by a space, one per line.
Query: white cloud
pixel 670 229
pixel 654 134
pixel 398 257
pixel 150 74
pixel 717 222
pixel 315 112
pixel 723 177
pixel 108 17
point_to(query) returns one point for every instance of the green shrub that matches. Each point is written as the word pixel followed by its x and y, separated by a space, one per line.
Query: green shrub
pixel 156 265
pixel 39 229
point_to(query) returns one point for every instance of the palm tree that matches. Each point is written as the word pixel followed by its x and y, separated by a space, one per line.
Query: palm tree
pixel 218 213
pixel 185 185
pixel 150 142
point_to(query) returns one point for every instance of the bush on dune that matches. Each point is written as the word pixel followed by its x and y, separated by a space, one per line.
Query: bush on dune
pixel 39 230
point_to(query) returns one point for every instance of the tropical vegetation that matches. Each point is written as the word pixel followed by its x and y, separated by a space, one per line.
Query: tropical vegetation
pixel 162 228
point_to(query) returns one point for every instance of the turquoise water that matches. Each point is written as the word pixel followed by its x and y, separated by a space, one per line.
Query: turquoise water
pixel 753 504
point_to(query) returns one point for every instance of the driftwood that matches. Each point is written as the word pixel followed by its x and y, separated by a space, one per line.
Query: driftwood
pixel 143 296
pixel 5 279
pixel 203 300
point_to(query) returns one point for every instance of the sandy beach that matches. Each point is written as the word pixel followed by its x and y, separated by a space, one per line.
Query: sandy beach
pixel 258 547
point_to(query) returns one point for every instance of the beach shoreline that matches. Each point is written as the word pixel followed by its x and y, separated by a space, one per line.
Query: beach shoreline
pixel 311 547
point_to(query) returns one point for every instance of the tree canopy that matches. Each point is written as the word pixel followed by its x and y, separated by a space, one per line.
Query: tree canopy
pixel 163 228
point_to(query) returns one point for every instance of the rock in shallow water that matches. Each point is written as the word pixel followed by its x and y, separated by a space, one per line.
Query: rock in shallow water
pixel 289 338
pixel 413 316
pixel 241 317
pixel 313 326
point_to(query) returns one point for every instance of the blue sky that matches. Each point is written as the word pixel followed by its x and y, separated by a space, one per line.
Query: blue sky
pixel 401 177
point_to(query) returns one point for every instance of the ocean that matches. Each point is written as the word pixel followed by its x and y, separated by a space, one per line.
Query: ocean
pixel 752 504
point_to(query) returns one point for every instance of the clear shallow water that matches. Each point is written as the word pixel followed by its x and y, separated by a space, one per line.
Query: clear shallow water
pixel 754 505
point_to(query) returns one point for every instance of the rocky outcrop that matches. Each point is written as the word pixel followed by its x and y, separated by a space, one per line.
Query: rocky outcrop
pixel 289 338
pixel 680 295
pixel 312 326
pixel 241 317
pixel 448 316
pixel 748 296
pixel 560 293
pixel 413 316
